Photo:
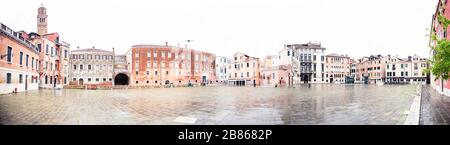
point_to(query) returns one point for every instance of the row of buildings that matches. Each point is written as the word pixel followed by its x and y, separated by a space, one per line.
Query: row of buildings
pixel 29 61
pixel 307 63
pixel 40 60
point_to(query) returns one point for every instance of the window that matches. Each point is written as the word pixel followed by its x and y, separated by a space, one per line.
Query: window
pixel 20 58
pixel 89 67
pixel 104 79
pixel 51 51
pixel 288 53
pixel 248 74
pixel 167 72
pixel 46 49
pixel 322 67
pixel 156 72
pixel 20 78
pixel 65 53
pixel 74 67
pixel 32 62
pixel 9 54
pixel 39 46
pixel 314 57
pixel 89 79
pixel 46 79
pixel 8 78
pixel 81 67
pixel 248 65
pixel 97 79
pixel 26 60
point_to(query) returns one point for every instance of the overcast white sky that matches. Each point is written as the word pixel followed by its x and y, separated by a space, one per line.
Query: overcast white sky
pixel 256 27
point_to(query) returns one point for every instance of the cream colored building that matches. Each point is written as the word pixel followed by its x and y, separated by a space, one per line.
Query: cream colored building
pixel 245 70
pixel 337 68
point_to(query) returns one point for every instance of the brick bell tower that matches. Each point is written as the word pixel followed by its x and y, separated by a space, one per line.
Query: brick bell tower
pixel 42 20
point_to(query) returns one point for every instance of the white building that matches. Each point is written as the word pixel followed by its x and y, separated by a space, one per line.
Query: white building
pixel 312 62
pixel 91 66
pixel 407 70
pixel 352 68
pixel 222 65
pixel 290 58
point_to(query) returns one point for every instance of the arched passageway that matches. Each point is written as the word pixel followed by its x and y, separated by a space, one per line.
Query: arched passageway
pixel 121 79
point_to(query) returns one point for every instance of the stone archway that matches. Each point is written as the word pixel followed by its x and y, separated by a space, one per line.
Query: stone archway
pixel 121 79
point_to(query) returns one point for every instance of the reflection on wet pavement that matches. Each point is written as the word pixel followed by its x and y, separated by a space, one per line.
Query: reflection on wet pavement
pixel 321 104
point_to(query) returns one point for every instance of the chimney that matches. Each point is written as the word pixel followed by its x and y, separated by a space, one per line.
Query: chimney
pixel 167 43
pixel 409 58
pixel 78 47
pixel 93 47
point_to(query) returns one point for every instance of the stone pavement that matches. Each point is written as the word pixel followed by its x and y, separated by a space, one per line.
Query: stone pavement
pixel 435 108
pixel 320 104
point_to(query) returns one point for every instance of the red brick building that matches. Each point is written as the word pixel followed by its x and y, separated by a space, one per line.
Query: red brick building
pixel 18 62
pixel 163 65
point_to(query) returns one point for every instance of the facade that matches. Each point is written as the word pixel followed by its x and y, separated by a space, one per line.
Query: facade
pixel 91 66
pixel 155 65
pixel 407 70
pixel 337 68
pixel 312 61
pixel 19 69
pixel 442 86
pixel 245 70
pixel 371 69
pixel 49 59
pixel 222 64
pixel 65 62
pixel 352 68
pixel 282 68
pixel 121 74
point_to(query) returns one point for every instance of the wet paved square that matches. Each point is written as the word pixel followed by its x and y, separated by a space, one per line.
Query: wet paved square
pixel 320 104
